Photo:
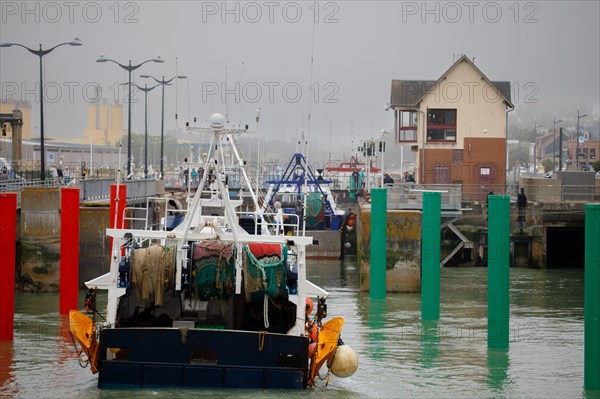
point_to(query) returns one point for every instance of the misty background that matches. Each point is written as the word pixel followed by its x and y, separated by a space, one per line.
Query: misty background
pixel 332 60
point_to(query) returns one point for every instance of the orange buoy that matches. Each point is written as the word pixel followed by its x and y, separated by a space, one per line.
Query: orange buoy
pixel 311 328
pixel 309 305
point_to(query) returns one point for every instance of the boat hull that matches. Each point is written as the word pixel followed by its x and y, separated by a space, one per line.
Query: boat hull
pixel 327 244
pixel 147 357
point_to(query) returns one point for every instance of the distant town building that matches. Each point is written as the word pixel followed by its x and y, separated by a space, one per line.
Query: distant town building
pixel 548 146
pixel 96 150
pixel 457 125
pixel 7 107
pixel 105 123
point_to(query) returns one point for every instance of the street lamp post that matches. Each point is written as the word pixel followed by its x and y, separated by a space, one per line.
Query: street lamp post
pixel 577 135
pixel 382 151
pixel 129 68
pixel 560 148
pixel 554 122
pixel 145 89
pixel 163 82
pixel 41 53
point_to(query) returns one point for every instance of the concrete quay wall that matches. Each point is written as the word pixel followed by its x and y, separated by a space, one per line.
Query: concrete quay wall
pixel 38 250
pixel 545 225
pixel 403 255
pixel 541 221
pixel 38 241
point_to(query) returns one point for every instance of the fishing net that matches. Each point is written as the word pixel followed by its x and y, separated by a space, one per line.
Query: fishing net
pixel 213 269
pixel 265 273
pixel 152 271
pixel 314 209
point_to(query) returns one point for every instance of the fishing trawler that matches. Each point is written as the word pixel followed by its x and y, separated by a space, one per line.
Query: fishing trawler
pixel 352 174
pixel 220 300
pixel 300 191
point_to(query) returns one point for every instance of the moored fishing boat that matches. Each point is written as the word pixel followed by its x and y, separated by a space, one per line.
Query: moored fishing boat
pixel 352 174
pixel 302 192
pixel 211 303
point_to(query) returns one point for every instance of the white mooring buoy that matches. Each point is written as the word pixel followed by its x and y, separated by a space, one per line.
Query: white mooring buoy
pixel 344 362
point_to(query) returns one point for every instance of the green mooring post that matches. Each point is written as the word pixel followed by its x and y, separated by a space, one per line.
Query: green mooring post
pixel 430 255
pixel 378 257
pixel 591 304
pixel 498 271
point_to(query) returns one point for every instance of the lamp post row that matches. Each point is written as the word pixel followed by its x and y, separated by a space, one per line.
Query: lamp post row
pixel 129 68
pixel 145 89
pixel 163 83
pixel 554 122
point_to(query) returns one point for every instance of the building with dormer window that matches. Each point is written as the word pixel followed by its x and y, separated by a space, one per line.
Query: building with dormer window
pixel 457 124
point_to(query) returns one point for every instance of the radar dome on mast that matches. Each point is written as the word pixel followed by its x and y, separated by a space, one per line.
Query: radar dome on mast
pixel 217 121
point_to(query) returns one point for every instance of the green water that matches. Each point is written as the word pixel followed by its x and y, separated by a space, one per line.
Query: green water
pixel 398 356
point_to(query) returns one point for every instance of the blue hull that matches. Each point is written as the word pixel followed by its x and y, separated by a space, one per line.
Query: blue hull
pixel 150 357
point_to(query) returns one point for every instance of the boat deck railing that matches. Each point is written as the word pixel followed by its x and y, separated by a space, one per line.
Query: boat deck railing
pixel 145 217
pixel 291 222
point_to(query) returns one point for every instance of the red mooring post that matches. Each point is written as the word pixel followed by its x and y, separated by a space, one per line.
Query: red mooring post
pixel 8 252
pixel 69 249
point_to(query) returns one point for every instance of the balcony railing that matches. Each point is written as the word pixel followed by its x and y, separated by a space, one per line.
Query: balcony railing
pixel 410 196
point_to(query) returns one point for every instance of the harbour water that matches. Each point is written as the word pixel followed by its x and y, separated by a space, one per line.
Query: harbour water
pixel 398 357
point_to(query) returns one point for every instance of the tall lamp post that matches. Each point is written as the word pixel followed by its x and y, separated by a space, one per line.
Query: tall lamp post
pixel 382 151
pixel 577 135
pixel 554 122
pixel 163 82
pixel 145 89
pixel 129 68
pixel 41 53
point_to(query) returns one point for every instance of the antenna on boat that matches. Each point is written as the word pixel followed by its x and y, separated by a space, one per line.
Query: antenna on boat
pixel 241 99
pixel 176 89
pixel 312 55
pixel 226 100
pixel 330 141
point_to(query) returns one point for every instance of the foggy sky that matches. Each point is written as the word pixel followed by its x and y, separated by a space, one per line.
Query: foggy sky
pixel 548 50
